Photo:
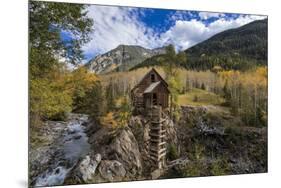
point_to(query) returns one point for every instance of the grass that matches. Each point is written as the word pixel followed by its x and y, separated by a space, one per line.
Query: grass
pixel 199 97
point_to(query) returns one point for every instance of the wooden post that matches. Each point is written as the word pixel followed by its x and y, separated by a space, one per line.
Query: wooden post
pixel 171 108
pixel 157 135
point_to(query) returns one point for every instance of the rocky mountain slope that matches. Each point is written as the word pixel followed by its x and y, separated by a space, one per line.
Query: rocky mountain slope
pixel 121 58
pixel 240 48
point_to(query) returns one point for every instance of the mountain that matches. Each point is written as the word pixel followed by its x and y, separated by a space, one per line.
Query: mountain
pixel 121 58
pixel 157 60
pixel 240 48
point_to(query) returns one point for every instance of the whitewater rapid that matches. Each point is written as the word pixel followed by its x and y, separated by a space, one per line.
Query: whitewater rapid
pixel 72 145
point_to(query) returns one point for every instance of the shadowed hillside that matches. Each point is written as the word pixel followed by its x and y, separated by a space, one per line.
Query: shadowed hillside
pixel 240 49
pixel 237 48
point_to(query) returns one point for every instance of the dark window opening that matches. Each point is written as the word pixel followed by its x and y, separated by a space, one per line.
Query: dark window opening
pixel 154 99
pixel 152 77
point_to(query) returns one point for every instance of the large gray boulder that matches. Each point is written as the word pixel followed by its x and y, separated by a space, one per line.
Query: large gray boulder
pixel 118 145
pixel 88 166
pixel 125 150
pixel 112 170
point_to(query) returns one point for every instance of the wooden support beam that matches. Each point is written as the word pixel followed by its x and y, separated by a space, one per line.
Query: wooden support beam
pixel 157 135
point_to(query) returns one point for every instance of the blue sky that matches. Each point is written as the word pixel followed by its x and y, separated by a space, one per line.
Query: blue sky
pixel 152 28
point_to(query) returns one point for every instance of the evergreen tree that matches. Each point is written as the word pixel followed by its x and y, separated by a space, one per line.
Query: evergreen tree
pixel 172 61
pixel 203 87
pixel 95 101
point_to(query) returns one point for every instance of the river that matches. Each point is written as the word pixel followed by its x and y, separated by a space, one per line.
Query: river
pixel 72 145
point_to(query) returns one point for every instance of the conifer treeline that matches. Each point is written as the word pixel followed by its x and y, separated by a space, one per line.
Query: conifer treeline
pixel 237 49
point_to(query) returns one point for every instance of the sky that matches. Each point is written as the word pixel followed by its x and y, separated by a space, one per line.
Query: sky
pixel 153 28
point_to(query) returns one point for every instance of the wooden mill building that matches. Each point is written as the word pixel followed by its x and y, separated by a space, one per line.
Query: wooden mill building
pixel 152 90
pixel 149 97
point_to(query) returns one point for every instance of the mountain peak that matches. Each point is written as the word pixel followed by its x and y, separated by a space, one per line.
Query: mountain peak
pixel 121 58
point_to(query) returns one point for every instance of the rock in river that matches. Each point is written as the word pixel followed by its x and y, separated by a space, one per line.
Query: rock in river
pixel 87 167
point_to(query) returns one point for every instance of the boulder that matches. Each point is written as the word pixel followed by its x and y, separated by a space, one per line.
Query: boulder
pixel 87 167
pixel 156 174
pixel 112 170
pixel 171 132
pixel 140 129
pixel 119 145
pixel 204 128
pixel 76 137
pixel 126 151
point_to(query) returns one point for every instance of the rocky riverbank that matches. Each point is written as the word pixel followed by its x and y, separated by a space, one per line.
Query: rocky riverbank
pixel 204 141
pixel 118 154
pixel 55 148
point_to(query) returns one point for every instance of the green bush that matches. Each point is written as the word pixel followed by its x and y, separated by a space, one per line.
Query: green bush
pixel 172 153
pixel 219 167
pixel 195 169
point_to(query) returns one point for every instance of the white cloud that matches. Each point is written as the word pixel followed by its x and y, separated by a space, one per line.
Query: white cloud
pixel 185 34
pixel 182 15
pixel 223 23
pixel 207 15
pixel 116 25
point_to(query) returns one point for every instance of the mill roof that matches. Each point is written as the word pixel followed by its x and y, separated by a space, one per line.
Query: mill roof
pixel 151 87
pixel 152 70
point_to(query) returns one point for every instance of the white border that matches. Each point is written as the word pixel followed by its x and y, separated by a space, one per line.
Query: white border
pixel 14 104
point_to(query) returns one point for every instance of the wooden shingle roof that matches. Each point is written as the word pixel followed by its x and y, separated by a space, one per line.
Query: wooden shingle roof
pixel 152 70
pixel 152 86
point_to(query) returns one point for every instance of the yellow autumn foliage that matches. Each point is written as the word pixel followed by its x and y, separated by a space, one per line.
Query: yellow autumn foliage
pixel 80 80
pixel 109 120
pixel 58 93
pixel 251 79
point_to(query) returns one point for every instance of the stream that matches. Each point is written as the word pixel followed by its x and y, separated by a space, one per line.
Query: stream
pixel 70 147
